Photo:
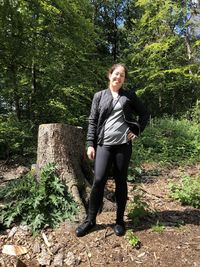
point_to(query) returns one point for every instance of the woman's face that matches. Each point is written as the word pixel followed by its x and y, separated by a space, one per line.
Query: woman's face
pixel 117 77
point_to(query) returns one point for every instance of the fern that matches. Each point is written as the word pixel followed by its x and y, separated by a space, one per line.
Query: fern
pixel 37 204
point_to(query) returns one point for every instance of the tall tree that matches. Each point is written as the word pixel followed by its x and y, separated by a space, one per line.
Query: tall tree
pixel 47 71
pixel 108 20
pixel 158 56
pixel 45 47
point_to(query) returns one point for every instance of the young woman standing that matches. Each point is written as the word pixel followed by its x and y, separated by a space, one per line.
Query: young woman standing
pixel 110 131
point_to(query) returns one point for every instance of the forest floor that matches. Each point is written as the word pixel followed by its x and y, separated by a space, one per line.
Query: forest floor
pixel 169 239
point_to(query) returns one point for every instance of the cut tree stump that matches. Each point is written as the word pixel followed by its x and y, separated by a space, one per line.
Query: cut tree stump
pixel 64 145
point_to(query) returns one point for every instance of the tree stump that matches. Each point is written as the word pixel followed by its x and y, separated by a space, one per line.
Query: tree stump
pixel 64 145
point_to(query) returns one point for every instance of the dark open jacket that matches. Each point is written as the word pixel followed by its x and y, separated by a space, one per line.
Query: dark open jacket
pixel 102 107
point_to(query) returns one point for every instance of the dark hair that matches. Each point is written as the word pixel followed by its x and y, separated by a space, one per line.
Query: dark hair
pixel 110 71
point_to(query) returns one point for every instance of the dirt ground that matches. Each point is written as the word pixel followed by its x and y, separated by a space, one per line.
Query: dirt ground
pixel 177 244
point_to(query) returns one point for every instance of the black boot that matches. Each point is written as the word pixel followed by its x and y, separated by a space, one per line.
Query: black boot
pixel 119 228
pixel 85 227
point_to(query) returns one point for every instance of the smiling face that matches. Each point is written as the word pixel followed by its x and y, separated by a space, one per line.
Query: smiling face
pixel 117 78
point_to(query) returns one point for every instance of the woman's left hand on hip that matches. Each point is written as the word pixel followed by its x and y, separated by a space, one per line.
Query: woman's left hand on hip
pixel 131 135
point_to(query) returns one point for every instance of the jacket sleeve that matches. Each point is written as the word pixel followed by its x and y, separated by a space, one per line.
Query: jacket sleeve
pixel 93 121
pixel 141 111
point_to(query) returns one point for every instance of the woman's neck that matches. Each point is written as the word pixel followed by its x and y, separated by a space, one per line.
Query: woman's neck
pixel 115 94
pixel 114 89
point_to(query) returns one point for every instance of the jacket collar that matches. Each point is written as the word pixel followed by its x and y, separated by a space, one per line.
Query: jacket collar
pixel 108 91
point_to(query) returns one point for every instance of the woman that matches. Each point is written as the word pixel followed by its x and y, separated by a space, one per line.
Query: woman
pixel 110 131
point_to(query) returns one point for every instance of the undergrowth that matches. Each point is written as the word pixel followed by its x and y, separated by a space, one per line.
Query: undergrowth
pixel 158 227
pixel 37 204
pixel 168 140
pixel 187 191
pixel 138 209
pixel 132 239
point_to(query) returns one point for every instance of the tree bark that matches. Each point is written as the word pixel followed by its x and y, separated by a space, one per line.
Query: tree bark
pixel 64 145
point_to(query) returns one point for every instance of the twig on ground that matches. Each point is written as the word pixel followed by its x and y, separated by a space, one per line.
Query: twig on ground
pixel 88 259
pixel 151 194
pixel 87 251
pixel 105 234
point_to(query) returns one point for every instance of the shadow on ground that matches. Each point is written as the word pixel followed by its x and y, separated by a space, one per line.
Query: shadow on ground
pixel 173 218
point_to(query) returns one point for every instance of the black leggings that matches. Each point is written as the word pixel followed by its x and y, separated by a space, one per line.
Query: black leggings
pixel 119 156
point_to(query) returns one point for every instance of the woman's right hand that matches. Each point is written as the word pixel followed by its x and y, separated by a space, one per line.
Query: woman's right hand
pixel 91 152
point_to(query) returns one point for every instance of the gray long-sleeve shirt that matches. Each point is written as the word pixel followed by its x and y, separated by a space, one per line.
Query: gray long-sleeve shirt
pixel 116 129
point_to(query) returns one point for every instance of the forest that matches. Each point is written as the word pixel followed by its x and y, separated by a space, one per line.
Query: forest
pixel 54 55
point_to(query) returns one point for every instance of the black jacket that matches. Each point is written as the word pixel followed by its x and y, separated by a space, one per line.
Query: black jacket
pixel 102 107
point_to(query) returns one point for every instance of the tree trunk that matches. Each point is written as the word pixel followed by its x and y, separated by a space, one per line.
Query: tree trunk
pixel 16 98
pixel 64 145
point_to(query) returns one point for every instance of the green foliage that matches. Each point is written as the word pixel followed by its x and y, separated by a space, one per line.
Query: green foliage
pixel 194 113
pixel 15 137
pixel 158 227
pixel 37 204
pixel 46 46
pixel 132 239
pixel 187 191
pixel 55 55
pixel 137 210
pixel 108 17
pixel 48 71
pixel 161 37
pixel 134 174
pixel 168 140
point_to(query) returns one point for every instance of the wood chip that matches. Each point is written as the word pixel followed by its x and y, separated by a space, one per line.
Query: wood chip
pixel 46 240
pixel 14 250
pixel 12 232
pixel 141 255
